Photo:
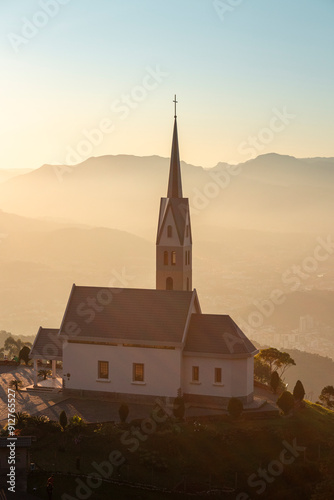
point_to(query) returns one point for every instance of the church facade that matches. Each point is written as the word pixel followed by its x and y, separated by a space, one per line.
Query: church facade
pixel 139 344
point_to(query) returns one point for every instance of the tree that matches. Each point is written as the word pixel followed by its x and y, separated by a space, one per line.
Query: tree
pixel 276 360
pixel 123 412
pixel 44 373
pixel 16 384
pixel 24 354
pixel 261 371
pixel 274 381
pixel 327 396
pixel 298 391
pixel 179 408
pixel 286 402
pixel 13 346
pixel 21 418
pixel 63 419
pixel 235 407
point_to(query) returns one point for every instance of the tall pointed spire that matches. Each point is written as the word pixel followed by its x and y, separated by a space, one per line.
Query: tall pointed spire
pixel 174 183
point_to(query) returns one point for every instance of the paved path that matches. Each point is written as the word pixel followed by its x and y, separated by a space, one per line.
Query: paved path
pixel 25 401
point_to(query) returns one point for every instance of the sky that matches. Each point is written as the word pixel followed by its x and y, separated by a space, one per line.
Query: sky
pixel 83 78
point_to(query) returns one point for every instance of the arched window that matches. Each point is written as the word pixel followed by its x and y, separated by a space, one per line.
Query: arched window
pixel 173 259
pixel 169 231
pixel 166 258
pixel 169 284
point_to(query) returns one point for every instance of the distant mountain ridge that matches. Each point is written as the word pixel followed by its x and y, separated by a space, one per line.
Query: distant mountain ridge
pixel 270 192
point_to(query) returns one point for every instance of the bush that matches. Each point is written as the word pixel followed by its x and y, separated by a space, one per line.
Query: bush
pixel 123 412
pixel 63 419
pixel 274 381
pixel 298 391
pixel 235 407
pixel 286 402
pixel 178 408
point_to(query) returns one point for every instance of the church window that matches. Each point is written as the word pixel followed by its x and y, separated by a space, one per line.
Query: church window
pixel 173 258
pixel 138 372
pixel 169 283
pixel 195 373
pixel 169 231
pixel 166 258
pixel 103 368
pixel 218 375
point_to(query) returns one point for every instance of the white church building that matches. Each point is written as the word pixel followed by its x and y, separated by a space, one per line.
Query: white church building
pixel 139 344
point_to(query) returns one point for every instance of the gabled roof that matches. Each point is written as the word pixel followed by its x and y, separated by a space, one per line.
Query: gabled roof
pixel 126 314
pixel 47 345
pixel 174 183
pixel 217 334
pixel 180 209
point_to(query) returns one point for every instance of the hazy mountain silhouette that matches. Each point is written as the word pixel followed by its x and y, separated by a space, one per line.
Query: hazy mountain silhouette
pixel 6 174
pixel 271 192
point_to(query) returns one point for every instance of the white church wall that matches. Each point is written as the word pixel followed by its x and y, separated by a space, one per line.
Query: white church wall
pixel 235 375
pixel 161 369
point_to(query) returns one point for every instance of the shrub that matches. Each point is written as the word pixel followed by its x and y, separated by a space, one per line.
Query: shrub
pixel 235 407
pixel 298 391
pixel 63 419
pixel 123 412
pixel 286 402
pixel 178 408
pixel 274 381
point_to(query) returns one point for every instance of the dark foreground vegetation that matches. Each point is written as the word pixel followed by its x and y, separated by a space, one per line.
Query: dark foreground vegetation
pixel 288 457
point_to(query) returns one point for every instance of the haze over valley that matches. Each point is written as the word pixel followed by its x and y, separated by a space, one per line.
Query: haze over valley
pixel 256 229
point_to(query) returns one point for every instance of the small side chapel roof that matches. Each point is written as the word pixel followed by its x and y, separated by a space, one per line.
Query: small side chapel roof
pixel 217 334
pixel 47 345
pixel 127 314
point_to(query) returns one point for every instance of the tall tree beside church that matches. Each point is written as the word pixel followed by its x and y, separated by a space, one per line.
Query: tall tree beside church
pixel 276 360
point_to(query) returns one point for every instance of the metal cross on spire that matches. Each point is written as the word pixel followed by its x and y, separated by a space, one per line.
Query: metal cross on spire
pixel 175 103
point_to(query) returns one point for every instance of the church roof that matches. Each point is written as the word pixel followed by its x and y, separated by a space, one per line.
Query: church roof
pixel 175 184
pixel 127 314
pixel 217 334
pixel 47 345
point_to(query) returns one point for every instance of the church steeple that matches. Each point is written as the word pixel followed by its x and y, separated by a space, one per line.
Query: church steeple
pixel 174 243
pixel 175 183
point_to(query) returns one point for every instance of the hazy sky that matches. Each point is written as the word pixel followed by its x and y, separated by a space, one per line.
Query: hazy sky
pixel 251 77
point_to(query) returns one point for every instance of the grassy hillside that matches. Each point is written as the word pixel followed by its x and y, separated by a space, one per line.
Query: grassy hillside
pixel 277 458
